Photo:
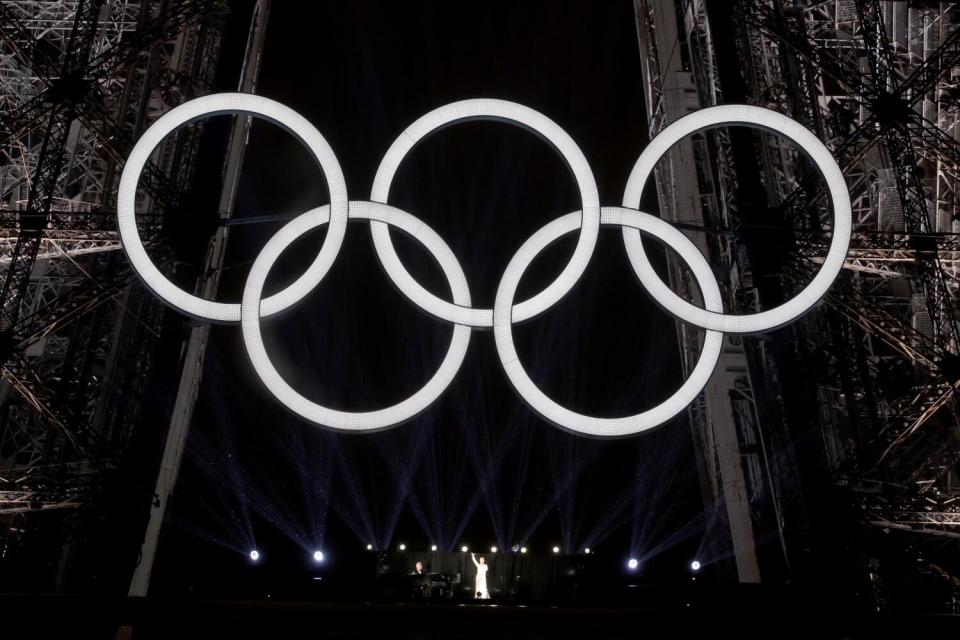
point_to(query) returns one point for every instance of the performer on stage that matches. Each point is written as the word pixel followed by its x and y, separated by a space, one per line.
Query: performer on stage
pixel 480 589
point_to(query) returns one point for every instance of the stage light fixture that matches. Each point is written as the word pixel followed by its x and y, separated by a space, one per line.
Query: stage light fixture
pixel 254 555
pixel 695 565
pixel 523 549
pixel 632 564
pixel 587 550
pixel 403 547
pixel 318 556
pixel 369 547
pixel 556 549
pixel 463 548
pixel 433 547
pixel 493 549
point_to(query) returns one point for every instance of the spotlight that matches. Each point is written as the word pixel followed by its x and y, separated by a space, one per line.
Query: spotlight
pixel 556 549
pixel 463 548
pixel 587 550
pixel 523 549
pixel 632 564
pixel 369 547
pixel 433 547
pixel 403 547
pixel 695 565
pixel 318 556
pixel 254 555
pixel 493 549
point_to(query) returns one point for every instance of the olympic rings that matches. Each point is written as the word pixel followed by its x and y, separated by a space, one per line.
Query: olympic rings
pixel 217 104
pixel 559 415
pixel 345 420
pixel 511 113
pixel 842 218
pixel 459 311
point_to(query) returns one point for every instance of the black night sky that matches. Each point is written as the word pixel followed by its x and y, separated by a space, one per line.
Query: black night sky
pixel 478 467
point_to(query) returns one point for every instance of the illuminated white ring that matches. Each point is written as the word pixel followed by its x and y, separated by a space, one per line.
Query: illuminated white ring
pixel 510 113
pixel 216 104
pixel 561 416
pixel 346 420
pixel 775 123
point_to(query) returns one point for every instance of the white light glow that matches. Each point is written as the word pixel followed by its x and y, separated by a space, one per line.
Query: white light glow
pixel 230 103
pixel 369 547
pixel 318 556
pixel 695 565
pixel 776 123
pixel 510 113
pixel 464 548
pixel 523 549
pixel 254 555
pixel 587 550
pixel 493 549
pixel 556 549
pixel 458 310
pixel 561 416
pixel 632 563
pixel 433 547
pixel 403 547
pixel 347 420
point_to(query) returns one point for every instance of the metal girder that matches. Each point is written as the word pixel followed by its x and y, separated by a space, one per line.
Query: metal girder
pixel 33 218
pixel 69 421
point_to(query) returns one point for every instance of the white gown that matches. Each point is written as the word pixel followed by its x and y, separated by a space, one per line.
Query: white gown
pixel 480 589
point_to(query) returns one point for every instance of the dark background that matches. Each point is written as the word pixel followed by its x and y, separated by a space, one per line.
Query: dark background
pixel 478 467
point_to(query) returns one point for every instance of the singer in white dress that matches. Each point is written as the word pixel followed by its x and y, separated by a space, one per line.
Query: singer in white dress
pixel 480 590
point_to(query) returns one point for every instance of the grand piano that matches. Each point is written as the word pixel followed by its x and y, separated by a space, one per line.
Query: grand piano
pixel 433 585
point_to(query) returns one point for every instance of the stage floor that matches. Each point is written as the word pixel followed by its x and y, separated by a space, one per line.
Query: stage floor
pixel 93 617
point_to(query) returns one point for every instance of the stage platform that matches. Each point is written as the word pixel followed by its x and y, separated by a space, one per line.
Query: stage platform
pixel 44 616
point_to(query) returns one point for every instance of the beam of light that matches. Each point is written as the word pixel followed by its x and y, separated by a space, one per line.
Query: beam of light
pixel 314 464
pixel 403 468
pixel 254 555
pixel 653 493
pixel 632 564
pixel 686 531
pixel 695 566
pixel 565 484
pixel 485 454
pixel 230 539
pixel 356 513
pixel 318 556
pixel 523 423
pixel 612 518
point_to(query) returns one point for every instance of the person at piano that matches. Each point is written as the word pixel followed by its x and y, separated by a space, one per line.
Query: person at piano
pixel 480 587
